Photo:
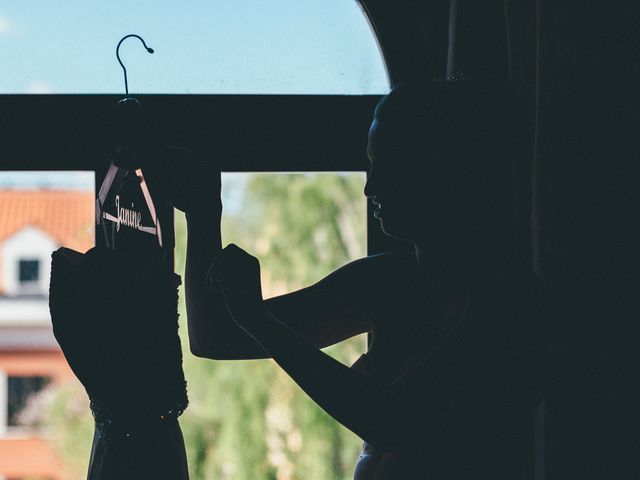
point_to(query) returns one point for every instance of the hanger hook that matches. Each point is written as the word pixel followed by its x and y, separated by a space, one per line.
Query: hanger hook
pixel 150 50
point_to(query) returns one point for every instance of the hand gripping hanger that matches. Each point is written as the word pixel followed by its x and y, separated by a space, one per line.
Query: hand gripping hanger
pixel 117 176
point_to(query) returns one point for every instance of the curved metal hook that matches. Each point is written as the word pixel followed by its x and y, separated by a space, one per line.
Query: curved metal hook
pixel 150 50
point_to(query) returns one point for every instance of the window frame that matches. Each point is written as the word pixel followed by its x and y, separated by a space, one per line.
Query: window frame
pixel 239 133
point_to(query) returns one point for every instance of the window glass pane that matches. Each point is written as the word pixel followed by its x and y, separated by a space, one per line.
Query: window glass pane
pixel 20 390
pixel 301 226
pixel 225 46
pixel 29 271
pixel 248 418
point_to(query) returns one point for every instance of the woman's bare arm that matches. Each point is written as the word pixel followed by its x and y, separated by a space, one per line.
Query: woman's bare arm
pixel 348 396
pixel 484 363
pixel 465 376
pixel 323 314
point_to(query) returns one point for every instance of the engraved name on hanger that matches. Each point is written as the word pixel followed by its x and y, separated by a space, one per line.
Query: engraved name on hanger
pixel 127 217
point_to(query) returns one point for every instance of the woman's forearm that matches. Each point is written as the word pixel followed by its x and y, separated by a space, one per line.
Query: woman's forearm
pixel 212 331
pixel 355 400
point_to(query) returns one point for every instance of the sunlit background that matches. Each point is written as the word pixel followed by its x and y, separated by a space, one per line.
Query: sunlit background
pixel 213 46
pixel 246 420
pixel 39 212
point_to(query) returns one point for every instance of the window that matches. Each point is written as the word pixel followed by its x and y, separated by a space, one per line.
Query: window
pixel 301 226
pixel 19 391
pixel 222 47
pixel 225 47
pixel 29 271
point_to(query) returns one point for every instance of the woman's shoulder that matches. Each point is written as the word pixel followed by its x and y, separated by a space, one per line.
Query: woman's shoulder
pixel 367 281
pixel 386 265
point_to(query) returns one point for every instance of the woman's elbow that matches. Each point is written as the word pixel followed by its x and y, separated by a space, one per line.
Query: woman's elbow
pixel 213 350
pixel 204 346
pixel 200 352
pixel 208 350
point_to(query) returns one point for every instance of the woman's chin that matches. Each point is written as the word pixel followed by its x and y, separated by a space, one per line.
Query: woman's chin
pixel 394 230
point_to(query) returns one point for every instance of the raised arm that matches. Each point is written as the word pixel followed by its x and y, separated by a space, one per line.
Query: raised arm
pixel 474 368
pixel 324 313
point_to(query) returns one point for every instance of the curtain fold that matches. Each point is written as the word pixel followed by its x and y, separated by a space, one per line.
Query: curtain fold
pixel 584 233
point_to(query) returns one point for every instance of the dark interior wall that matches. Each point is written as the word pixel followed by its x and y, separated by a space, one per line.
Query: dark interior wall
pixel 588 140
pixel 481 40
pixel 413 36
pixel 577 68
pixel 586 233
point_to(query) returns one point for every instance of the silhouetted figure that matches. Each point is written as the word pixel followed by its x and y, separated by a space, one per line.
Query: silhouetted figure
pixel 451 375
pixel 446 388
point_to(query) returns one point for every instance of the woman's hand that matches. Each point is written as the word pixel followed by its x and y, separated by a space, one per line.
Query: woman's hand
pixel 192 186
pixel 237 275
pixel 183 180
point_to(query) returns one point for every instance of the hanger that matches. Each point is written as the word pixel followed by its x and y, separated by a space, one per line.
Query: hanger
pixel 109 207
pixel 124 69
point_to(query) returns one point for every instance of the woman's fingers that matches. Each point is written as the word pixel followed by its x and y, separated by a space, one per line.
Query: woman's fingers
pixel 184 180
pixel 232 264
pixel 236 274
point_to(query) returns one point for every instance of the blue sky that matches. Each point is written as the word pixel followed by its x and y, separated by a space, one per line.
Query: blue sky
pixel 37 180
pixel 214 46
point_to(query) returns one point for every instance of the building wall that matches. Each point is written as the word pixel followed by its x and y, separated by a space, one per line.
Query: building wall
pixel 36 363
pixel 30 243
pixel 34 223
pixel 28 457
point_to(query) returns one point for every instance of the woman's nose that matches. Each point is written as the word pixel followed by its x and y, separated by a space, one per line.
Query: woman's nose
pixel 370 185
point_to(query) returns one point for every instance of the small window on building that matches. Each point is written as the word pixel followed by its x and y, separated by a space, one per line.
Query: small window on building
pixel 20 390
pixel 29 271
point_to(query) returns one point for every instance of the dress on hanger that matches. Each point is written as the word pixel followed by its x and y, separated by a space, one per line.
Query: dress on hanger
pixel 115 317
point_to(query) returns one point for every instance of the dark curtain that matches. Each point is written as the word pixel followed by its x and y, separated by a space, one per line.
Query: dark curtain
pixel 585 233
pixel 576 197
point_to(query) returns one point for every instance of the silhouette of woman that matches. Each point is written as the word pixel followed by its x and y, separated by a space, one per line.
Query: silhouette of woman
pixel 452 372
pixel 446 387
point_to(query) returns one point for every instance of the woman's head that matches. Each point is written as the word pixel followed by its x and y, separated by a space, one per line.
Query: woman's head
pixel 441 159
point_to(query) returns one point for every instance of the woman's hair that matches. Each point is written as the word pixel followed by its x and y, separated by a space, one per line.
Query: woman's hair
pixel 457 129
pixel 455 116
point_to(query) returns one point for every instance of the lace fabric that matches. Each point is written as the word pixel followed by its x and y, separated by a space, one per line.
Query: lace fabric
pixel 116 319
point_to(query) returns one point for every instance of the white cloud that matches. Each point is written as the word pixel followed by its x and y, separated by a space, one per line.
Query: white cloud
pixel 39 86
pixel 6 27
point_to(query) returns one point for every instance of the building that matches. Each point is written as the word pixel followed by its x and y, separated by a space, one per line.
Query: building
pixel 33 223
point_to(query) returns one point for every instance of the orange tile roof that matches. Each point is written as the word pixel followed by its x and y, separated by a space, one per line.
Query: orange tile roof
pixel 67 215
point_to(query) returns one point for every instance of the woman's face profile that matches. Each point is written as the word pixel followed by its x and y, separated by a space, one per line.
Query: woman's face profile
pixel 395 184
